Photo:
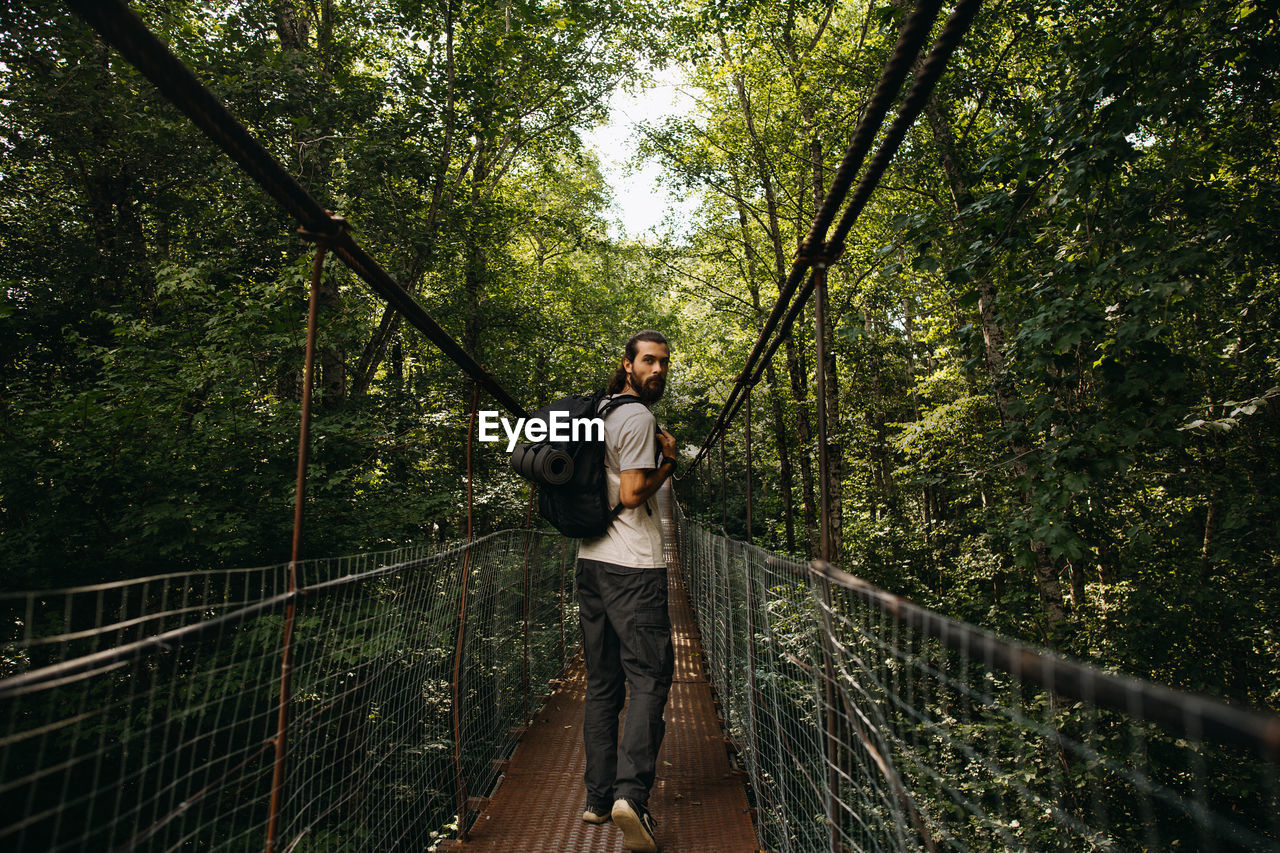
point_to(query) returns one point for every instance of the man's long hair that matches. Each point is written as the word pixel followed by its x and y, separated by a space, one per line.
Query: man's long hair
pixel 619 382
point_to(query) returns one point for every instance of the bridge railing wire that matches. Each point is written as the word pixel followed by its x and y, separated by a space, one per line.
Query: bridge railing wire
pixel 935 735
pixel 142 714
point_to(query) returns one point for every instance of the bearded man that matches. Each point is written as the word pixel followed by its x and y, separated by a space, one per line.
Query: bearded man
pixel 622 600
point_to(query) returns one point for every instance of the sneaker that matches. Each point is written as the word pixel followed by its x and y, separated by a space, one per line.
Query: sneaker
pixel 596 813
pixel 637 826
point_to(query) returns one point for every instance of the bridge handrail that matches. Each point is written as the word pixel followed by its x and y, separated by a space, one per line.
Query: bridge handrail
pixel 1188 714
pixel 58 674
pixel 899 728
pixel 156 730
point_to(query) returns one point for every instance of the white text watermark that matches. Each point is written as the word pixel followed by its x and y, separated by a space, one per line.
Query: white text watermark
pixel 559 427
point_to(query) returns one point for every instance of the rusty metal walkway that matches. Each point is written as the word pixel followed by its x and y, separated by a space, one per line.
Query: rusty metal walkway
pixel 699 799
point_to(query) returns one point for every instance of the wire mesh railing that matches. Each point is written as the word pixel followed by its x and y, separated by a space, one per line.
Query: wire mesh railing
pixel 866 723
pixel 142 715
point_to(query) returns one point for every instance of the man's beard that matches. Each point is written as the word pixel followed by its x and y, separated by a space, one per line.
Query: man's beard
pixel 652 390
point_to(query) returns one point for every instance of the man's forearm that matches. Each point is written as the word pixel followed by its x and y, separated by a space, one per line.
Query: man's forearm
pixel 653 479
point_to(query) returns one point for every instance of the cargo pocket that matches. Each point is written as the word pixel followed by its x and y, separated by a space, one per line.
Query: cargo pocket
pixel 653 633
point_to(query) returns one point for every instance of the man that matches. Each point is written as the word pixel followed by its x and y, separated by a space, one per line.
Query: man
pixel 622 599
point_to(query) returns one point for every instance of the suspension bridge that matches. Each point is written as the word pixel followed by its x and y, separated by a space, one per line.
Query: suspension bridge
pixel 428 698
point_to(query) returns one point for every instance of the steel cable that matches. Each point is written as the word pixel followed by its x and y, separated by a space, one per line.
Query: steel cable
pixel 912 106
pixel 121 28
pixel 914 34
pixel 814 250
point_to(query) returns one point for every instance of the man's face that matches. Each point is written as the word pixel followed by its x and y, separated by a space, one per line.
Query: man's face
pixel 647 372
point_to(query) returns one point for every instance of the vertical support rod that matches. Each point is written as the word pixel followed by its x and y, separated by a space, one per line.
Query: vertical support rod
pixel 829 697
pixel 460 647
pixel 753 731
pixel 724 512
pixel 696 474
pixel 699 493
pixel 471 432
pixel 824 546
pixel 750 388
pixel 528 543
pixel 561 573
pixel 726 695
pixel 820 377
pixel 300 488
pixel 850 726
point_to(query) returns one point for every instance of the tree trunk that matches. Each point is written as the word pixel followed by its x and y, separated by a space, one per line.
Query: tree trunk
pixel 293 31
pixel 441 196
pixel 925 496
pixel 476 264
pixel 291 28
pixel 804 431
pixel 1210 533
pixel 375 351
pixel 781 264
pixel 834 449
pixel 1076 574
pixel 1048 583
pixel 111 192
pixel 882 459
pixel 785 476
pixel 333 367
pixel 831 416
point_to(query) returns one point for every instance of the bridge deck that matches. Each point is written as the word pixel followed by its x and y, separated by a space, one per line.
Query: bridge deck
pixel 700 804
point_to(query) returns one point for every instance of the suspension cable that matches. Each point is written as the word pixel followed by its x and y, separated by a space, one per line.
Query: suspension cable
pixel 914 34
pixel 912 106
pixel 124 30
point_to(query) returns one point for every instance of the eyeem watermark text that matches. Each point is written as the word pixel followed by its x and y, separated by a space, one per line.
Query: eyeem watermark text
pixel 560 427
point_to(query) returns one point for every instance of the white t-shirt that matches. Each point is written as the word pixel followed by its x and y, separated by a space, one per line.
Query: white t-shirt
pixel 635 537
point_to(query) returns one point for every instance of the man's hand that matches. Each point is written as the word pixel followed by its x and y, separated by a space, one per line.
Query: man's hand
pixel 636 485
pixel 668 442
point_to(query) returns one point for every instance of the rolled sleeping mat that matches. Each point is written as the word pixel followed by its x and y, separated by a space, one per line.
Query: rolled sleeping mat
pixel 542 463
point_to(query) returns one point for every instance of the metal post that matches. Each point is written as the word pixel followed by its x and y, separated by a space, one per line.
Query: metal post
pixel 829 697
pixel 824 548
pixel 561 573
pixel 700 491
pixel 304 449
pixel 752 692
pixel 748 406
pixel 528 543
pixel 460 647
pixel 471 431
pixel 699 482
pixel 820 377
pixel 724 512
pixel 727 650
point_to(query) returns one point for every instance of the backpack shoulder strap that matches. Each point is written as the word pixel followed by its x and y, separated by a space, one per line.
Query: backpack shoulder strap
pixel 619 400
pixel 606 408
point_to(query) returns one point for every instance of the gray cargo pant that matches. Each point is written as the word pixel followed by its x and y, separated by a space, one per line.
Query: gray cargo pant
pixel 626 634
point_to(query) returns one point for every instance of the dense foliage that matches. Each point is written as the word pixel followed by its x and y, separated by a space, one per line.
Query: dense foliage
pixel 154 300
pixel 1053 345
pixel 1054 332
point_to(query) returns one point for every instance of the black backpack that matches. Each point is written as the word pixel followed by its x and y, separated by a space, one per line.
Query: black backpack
pixel 579 506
